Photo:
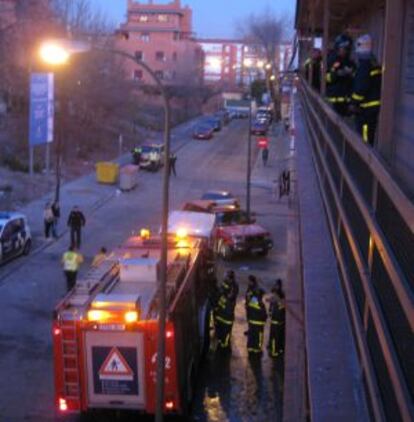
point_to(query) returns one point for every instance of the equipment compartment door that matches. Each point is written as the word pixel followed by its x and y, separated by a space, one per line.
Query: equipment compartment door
pixel 115 368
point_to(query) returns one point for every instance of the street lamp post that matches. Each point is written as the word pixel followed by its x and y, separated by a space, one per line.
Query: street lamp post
pixel 59 54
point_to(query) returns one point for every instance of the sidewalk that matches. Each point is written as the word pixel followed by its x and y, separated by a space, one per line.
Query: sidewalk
pixel 282 156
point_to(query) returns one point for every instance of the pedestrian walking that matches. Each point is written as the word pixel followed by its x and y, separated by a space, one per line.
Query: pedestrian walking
pixel 173 160
pixel 71 261
pixel 56 216
pixel 265 156
pixel 48 220
pixel 256 319
pixel 99 257
pixel 76 221
pixel 223 319
pixel 366 96
pixel 277 314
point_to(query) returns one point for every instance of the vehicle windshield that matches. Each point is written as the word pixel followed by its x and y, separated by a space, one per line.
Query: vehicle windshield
pixel 147 148
pixel 217 195
pixel 231 218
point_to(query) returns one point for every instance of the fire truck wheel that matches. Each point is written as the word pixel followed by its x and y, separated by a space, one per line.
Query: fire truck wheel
pixel 225 252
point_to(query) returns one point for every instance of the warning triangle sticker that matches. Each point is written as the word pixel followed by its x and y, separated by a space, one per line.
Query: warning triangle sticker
pixel 115 367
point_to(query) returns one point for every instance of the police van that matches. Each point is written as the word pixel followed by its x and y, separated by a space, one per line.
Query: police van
pixel 15 237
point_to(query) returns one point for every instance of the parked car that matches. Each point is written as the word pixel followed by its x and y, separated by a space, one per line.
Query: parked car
pixel 224 116
pixel 15 237
pixel 258 128
pixel 203 132
pixel 146 152
pixel 220 197
pixel 213 121
pixel 234 233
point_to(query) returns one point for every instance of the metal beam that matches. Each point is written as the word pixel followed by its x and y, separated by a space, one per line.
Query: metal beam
pixel 325 45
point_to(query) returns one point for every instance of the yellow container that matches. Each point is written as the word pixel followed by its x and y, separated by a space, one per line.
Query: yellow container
pixel 107 172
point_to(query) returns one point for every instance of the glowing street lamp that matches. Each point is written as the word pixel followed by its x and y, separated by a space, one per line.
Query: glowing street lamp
pixel 260 64
pixel 268 66
pixel 54 53
pixel 272 77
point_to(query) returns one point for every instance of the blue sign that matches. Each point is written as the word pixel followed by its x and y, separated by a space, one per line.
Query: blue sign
pixel 41 108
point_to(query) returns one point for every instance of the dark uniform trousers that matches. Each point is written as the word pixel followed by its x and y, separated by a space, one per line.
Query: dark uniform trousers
pixel 276 344
pixel 366 124
pixel 256 318
pixel 224 317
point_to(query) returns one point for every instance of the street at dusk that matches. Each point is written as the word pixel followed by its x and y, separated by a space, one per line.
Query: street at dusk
pixel 206 211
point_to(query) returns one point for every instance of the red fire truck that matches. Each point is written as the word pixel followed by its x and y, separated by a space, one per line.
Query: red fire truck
pixel 105 329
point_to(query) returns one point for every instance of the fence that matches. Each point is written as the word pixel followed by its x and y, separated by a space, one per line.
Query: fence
pixel 371 222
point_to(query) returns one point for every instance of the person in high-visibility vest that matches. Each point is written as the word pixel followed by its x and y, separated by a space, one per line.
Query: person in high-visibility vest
pixel 71 261
pixel 276 343
pixel 256 319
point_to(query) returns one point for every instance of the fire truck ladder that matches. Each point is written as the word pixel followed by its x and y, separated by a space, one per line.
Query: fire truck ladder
pixel 81 296
pixel 71 380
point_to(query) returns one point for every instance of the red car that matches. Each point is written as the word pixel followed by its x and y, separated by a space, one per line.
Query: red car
pixel 234 233
pixel 203 132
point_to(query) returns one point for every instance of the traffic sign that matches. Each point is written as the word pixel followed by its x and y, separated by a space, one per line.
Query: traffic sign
pixel 115 367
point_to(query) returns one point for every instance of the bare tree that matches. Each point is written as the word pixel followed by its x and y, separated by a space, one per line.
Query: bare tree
pixel 266 31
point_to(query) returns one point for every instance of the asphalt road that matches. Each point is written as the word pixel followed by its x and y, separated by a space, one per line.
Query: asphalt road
pixel 229 389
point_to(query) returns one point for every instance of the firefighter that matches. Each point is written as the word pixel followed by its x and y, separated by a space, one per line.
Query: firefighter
pixel 153 158
pixel 366 96
pixel 223 318
pixel 252 284
pixel 71 261
pixel 230 285
pixel 276 343
pixel 256 319
pixel 339 77
pixel 173 160
pixel 315 63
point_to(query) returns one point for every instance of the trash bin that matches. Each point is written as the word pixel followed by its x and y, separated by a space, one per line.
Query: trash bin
pixel 128 178
pixel 107 172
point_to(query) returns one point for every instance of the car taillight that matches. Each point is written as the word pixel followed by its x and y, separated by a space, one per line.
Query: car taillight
pixel 63 406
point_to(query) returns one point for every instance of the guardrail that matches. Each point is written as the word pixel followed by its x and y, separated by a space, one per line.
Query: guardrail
pixel 371 221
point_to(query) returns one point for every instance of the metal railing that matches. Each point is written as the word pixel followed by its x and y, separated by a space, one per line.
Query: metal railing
pixel 371 222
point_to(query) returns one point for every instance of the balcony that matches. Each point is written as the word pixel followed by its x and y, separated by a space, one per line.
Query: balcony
pixel 371 222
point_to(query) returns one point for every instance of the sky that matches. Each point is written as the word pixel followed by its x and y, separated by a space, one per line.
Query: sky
pixel 211 18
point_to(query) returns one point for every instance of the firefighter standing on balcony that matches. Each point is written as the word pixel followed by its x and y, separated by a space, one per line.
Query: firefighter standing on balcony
pixel 366 96
pixel 313 66
pixel 339 77
pixel 256 319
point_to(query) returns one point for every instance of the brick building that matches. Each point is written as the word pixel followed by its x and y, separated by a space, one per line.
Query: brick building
pixel 7 13
pixel 225 61
pixel 161 35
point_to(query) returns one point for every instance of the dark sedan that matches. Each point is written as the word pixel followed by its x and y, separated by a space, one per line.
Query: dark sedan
pixel 258 128
pixel 203 132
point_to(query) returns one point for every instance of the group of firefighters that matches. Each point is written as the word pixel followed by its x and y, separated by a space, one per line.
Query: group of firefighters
pixel 353 87
pixel 224 304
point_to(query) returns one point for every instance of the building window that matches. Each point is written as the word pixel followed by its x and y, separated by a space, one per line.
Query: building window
pixel 176 36
pixel 160 56
pixel 227 49
pixel 139 55
pixel 138 74
pixel 145 37
pixel 143 18
pixel 174 56
pixel 162 18
pixel 226 70
pixel 159 74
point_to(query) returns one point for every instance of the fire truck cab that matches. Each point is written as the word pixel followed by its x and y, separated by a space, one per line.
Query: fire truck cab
pixel 105 330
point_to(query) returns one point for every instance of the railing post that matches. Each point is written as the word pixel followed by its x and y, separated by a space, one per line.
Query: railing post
pixel 325 46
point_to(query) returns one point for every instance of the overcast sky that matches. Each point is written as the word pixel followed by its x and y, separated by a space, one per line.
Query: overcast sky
pixel 211 18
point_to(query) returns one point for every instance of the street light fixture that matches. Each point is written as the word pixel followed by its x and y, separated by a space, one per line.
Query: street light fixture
pixel 53 53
